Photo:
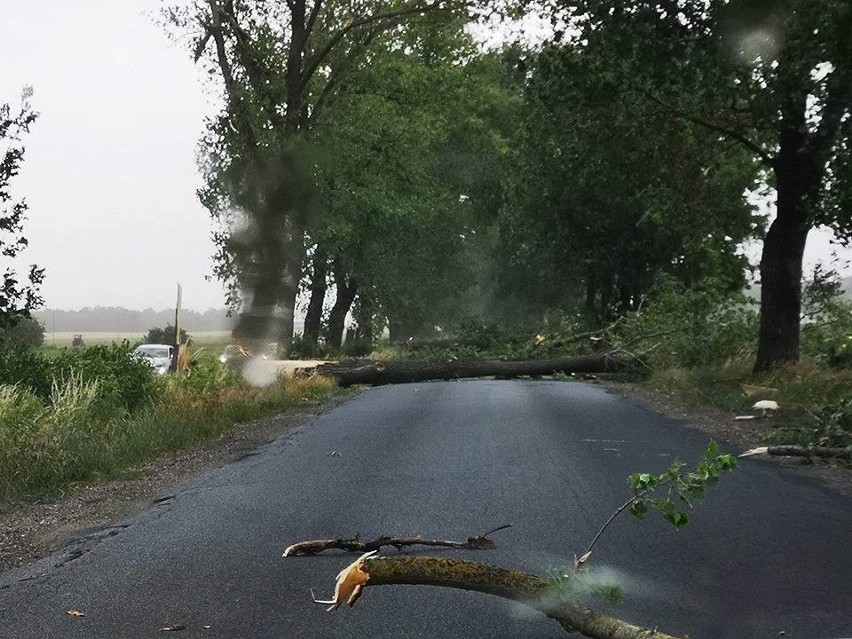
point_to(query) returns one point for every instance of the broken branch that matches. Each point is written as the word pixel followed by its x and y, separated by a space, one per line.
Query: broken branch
pixel 528 589
pixel 354 544
pixel 801 451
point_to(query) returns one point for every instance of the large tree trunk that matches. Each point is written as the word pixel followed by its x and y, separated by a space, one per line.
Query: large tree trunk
pixel 405 371
pixel 798 179
pixel 364 317
pixel 346 291
pixel 781 293
pixel 319 286
pixel 273 289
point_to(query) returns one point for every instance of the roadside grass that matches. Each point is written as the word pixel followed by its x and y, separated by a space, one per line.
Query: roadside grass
pixel 815 401
pixel 46 445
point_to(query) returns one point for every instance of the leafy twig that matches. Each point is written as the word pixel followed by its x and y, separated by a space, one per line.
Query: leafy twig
pixel 688 485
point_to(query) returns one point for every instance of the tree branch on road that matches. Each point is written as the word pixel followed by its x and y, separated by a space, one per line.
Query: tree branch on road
pixel 531 590
pixel 354 544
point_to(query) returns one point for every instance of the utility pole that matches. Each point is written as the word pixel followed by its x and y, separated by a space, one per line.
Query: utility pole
pixel 176 362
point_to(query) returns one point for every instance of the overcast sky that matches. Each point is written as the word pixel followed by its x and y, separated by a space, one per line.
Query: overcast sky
pixel 110 173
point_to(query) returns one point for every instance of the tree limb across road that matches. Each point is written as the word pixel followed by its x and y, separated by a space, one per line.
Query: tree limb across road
pixel 530 590
pixel 405 371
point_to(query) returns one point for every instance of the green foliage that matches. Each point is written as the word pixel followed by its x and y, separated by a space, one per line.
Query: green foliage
pixel 828 338
pixel 410 154
pixel 782 99
pixel 17 298
pixel 674 492
pixel 166 335
pixel 24 331
pixel 691 327
pixel 581 585
pixel 47 444
pixel 608 193
pixel 25 368
pixel 125 383
pixel 829 426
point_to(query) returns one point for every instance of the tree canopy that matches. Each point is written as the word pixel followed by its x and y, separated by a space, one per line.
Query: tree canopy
pixel 775 78
pixel 18 296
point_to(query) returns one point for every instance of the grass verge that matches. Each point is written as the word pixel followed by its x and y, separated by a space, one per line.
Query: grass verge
pixel 815 401
pixel 45 446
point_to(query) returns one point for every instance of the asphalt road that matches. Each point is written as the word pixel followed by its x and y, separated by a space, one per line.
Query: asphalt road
pixel 767 552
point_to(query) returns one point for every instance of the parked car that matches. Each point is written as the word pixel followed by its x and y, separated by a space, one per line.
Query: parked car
pixel 159 356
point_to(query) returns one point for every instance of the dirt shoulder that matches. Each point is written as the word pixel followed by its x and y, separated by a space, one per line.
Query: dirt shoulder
pixel 722 426
pixel 32 531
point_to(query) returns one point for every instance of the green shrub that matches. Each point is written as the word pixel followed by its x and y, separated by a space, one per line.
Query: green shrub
pixel 124 382
pixel 829 337
pixel 26 368
pixel 692 327
pixel 24 331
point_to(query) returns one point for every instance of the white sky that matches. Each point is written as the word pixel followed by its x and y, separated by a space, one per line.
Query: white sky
pixel 110 172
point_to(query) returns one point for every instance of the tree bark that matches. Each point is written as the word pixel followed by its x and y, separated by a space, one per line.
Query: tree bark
pixel 347 288
pixel 781 292
pixel 319 287
pixel 406 371
pixel 364 317
pixel 798 173
pixel 522 587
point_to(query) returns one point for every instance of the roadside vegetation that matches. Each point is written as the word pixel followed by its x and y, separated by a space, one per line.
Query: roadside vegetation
pixel 94 413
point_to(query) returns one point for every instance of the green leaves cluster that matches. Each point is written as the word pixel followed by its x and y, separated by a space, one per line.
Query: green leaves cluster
pixel 674 492
pixel 581 584
pixel 609 192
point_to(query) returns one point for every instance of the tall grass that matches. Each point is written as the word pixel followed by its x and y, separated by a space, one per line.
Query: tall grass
pixel 810 395
pixel 74 435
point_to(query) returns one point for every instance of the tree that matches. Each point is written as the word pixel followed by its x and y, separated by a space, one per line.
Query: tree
pixel 278 65
pixel 409 173
pixel 17 298
pixel 166 335
pixel 607 194
pixel 774 77
pixel 25 331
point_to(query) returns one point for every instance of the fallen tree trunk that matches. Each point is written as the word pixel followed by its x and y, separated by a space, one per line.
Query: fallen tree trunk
pixel 528 589
pixel 404 371
pixel 801 451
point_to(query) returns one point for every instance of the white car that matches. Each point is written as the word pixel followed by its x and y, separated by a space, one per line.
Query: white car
pixel 159 356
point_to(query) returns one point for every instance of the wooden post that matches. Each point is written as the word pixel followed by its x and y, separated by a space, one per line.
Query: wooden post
pixel 176 357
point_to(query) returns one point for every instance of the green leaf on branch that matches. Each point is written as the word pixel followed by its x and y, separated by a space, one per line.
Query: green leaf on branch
pixel 638 509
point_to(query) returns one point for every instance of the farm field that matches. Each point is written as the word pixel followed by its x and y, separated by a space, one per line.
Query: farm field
pixel 61 339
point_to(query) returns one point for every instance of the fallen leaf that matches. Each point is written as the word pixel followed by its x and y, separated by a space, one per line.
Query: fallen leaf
pixel 75 613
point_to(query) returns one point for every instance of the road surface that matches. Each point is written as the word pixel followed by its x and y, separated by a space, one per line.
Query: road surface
pixel 768 552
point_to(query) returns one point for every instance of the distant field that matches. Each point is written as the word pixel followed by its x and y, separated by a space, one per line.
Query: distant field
pixel 60 339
